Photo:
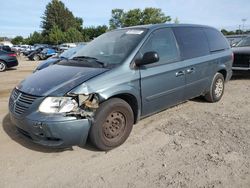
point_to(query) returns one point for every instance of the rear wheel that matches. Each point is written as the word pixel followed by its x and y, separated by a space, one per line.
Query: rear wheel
pixel 216 88
pixel 112 125
pixel 2 66
pixel 36 58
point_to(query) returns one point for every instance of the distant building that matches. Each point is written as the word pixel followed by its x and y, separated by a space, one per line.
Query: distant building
pixel 6 43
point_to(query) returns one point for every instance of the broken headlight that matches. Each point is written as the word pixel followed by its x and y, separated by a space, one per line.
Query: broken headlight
pixel 58 105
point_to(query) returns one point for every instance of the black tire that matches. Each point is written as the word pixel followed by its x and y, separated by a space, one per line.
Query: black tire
pixel 112 124
pixel 2 66
pixel 216 89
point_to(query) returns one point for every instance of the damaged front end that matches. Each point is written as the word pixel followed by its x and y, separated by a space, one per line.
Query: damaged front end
pixel 87 105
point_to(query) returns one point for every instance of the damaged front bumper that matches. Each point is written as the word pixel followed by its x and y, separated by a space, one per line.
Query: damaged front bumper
pixel 53 132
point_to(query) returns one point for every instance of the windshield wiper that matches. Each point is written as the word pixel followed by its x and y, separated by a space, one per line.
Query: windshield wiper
pixel 80 58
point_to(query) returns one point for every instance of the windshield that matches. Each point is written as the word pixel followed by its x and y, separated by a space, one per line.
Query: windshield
pixel 70 52
pixel 113 47
pixel 244 42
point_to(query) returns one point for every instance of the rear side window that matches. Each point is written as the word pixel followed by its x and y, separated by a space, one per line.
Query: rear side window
pixel 192 42
pixel 216 40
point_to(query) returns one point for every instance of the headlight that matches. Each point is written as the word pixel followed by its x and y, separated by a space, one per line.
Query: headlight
pixel 57 105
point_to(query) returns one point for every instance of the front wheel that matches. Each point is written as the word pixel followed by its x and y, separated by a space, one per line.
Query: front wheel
pixel 216 89
pixel 112 124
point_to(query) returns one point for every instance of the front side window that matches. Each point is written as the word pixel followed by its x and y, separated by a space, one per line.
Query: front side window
pixel 112 48
pixel 163 42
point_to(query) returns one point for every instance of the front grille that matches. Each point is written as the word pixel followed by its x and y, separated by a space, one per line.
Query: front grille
pixel 20 102
pixel 241 60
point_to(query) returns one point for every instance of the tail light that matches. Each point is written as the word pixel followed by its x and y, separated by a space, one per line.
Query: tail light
pixel 12 55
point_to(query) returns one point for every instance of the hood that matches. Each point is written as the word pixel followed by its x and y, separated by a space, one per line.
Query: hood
pixel 57 80
pixel 241 50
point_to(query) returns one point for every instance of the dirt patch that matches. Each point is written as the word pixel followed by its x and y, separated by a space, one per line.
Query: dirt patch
pixel 5 93
pixel 195 144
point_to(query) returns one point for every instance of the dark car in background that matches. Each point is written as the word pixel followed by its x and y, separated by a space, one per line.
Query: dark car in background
pixel 34 54
pixel 241 52
pixel 45 54
pixel 53 60
pixel 7 59
pixel 5 48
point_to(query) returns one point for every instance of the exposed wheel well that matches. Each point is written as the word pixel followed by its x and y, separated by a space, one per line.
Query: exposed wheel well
pixel 132 101
pixel 224 73
pixel 3 61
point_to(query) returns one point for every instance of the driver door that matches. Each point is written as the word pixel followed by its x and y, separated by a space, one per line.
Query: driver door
pixel 163 82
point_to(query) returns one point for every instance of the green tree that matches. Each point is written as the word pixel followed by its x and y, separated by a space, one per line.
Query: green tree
pixel 17 40
pixel 119 18
pixel 239 31
pixel 154 16
pixel 116 20
pixel 57 14
pixel 56 36
pixel 73 35
pixel 34 38
pixel 132 17
pixel 90 33
pixel 224 32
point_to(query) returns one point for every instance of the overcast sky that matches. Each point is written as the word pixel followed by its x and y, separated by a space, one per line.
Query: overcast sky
pixel 22 17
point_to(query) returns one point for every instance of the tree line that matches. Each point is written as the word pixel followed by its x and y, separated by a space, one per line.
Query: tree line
pixel 59 25
pixel 236 32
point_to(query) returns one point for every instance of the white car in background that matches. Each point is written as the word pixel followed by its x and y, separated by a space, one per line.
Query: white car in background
pixel 66 46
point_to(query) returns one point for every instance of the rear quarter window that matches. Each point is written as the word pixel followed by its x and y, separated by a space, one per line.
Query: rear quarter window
pixel 192 42
pixel 216 40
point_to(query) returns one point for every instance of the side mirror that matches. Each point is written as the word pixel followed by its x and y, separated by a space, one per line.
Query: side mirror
pixel 147 58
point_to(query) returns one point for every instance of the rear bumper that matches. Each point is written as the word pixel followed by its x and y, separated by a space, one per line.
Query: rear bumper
pixel 56 134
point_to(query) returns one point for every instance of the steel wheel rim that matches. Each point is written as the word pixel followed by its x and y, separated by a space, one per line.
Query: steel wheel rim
pixel 2 66
pixel 219 86
pixel 114 126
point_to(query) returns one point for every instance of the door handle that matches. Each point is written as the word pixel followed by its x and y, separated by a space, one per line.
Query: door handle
pixel 191 70
pixel 180 73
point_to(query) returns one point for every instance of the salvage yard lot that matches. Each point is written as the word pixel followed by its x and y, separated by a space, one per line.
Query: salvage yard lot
pixel 195 144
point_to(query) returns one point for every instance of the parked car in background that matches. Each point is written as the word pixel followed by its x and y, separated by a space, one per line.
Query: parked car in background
pixel 55 59
pixel 5 48
pixel 66 46
pixel 33 48
pixel 45 54
pixel 234 39
pixel 241 52
pixel 7 60
pixel 117 79
pixel 34 54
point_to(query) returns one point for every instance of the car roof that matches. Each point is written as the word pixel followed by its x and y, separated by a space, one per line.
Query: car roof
pixel 164 25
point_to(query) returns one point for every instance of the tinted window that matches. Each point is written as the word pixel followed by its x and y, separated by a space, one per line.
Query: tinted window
pixel 163 42
pixel 192 42
pixel 216 40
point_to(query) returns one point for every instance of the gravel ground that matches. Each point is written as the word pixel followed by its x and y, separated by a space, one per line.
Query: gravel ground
pixel 195 144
